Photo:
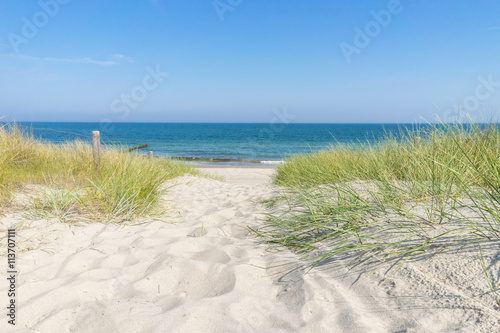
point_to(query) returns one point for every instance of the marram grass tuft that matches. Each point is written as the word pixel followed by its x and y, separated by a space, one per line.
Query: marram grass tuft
pixel 420 194
pixel 124 186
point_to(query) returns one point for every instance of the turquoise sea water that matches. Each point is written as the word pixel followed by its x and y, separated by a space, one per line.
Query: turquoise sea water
pixel 266 143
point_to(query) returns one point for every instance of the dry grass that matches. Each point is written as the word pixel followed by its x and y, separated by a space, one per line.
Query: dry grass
pixel 422 193
pixel 125 186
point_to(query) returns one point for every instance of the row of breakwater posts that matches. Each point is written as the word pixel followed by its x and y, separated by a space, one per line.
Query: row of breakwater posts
pixel 96 149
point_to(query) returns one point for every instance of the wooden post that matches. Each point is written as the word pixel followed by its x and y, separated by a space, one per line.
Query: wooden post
pixel 150 156
pixel 96 148
pixel 128 150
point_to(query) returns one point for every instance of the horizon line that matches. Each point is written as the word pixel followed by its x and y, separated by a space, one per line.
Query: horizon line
pixel 251 123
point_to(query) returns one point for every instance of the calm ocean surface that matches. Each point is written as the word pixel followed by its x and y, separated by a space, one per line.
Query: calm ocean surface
pixel 252 142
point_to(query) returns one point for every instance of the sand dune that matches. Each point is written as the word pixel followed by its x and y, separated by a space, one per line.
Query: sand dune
pixel 206 273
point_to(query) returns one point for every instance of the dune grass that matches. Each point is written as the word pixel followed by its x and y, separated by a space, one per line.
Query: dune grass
pixel 126 185
pixel 420 193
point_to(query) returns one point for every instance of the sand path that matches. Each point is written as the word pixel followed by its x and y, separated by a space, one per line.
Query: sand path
pixel 205 273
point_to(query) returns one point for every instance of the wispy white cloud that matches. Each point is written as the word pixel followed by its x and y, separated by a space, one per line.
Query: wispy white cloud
pixel 88 61
pixel 493 28
pixel 121 57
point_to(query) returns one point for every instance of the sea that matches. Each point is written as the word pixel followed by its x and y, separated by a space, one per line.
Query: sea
pixel 219 144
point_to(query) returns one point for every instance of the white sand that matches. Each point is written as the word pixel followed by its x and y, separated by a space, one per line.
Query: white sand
pixel 206 273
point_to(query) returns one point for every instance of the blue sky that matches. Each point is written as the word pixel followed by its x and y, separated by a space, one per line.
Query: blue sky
pixel 242 60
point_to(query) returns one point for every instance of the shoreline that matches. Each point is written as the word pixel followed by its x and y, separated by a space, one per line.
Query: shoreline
pixel 229 162
pixel 235 167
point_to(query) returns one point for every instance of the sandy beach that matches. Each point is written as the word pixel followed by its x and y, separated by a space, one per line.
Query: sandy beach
pixel 198 269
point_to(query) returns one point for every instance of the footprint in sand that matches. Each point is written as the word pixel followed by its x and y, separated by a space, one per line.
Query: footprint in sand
pixel 198 232
pixel 238 231
pixel 212 254
pixel 193 279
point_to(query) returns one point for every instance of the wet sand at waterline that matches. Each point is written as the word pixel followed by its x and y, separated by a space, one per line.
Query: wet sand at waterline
pixel 198 269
